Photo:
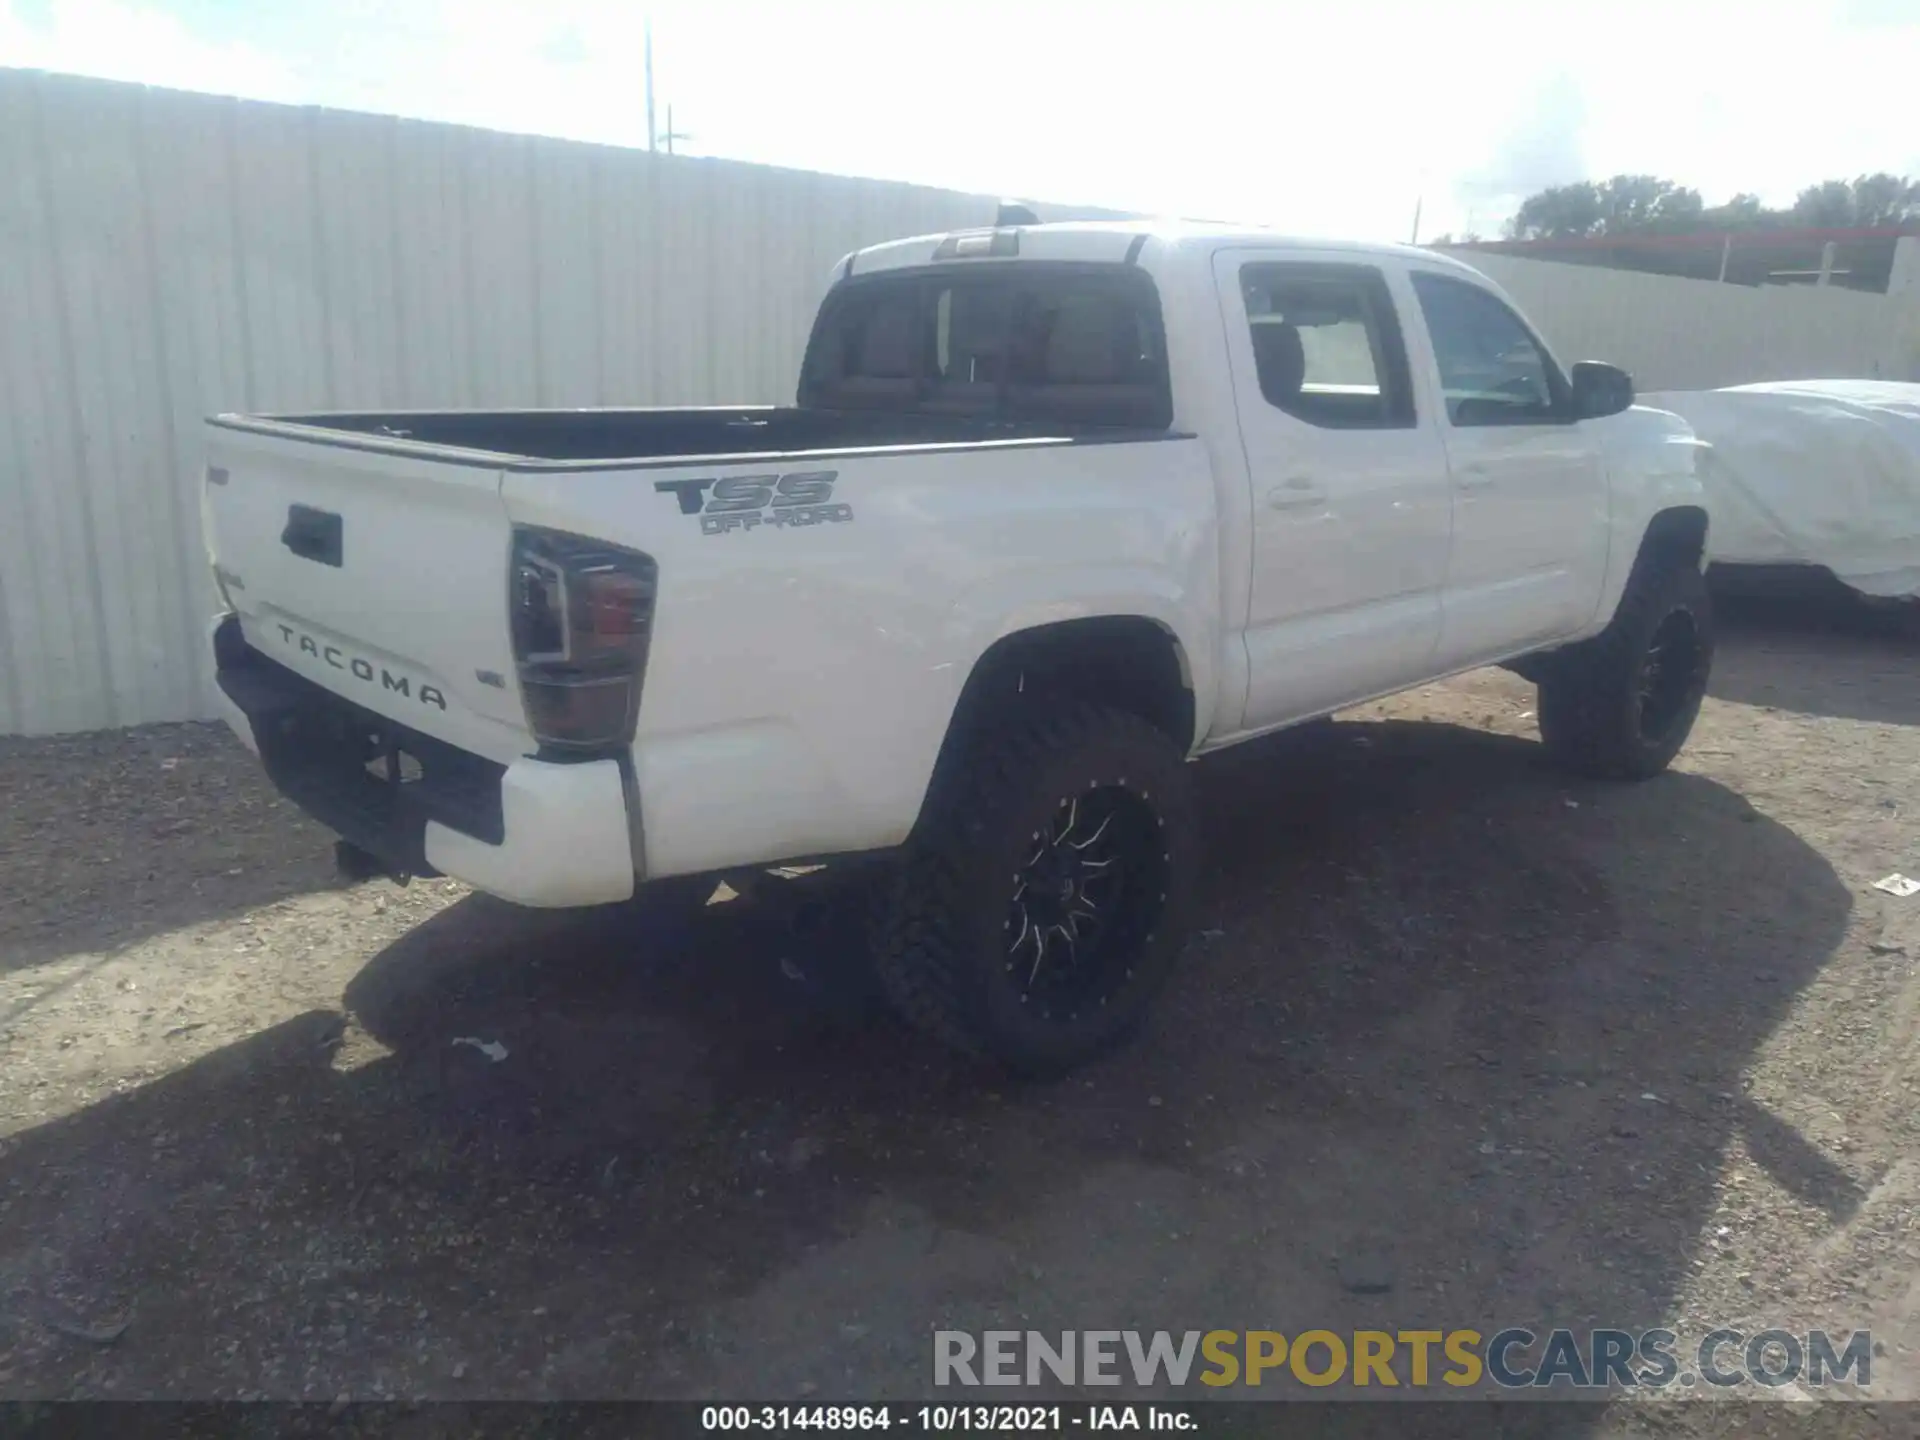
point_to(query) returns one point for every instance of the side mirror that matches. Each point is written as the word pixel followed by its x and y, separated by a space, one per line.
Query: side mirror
pixel 1600 389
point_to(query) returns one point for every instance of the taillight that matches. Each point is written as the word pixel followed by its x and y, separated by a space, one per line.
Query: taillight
pixel 581 612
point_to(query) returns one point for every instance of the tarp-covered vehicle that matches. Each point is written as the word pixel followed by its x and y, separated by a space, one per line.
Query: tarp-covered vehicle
pixel 1821 475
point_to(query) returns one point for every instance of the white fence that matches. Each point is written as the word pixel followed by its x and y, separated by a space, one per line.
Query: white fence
pixel 164 256
pixel 1676 334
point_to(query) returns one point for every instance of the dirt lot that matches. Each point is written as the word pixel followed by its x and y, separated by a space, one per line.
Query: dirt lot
pixel 1534 1052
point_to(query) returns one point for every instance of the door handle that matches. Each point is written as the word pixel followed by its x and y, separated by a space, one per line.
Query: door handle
pixel 1473 477
pixel 1298 493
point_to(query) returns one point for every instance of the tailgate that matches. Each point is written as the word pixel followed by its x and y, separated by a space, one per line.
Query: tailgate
pixel 381 576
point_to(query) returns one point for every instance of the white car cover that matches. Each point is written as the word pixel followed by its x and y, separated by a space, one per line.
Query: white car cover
pixel 1812 472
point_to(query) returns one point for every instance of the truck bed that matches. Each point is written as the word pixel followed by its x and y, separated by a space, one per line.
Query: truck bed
pixel 797 676
pixel 616 435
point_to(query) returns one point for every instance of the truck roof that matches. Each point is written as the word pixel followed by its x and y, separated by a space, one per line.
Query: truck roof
pixel 1118 241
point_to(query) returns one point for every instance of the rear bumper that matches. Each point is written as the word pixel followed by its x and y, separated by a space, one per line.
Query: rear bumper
pixel 533 832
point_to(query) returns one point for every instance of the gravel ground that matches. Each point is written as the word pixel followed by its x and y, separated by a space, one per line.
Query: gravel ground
pixel 1531 1051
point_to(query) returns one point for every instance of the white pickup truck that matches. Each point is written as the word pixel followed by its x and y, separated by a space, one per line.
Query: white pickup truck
pixel 1059 508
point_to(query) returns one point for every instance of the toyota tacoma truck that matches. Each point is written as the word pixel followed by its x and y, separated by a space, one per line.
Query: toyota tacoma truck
pixel 1058 509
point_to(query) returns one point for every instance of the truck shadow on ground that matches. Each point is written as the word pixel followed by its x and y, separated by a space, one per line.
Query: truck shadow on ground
pixel 1446 1051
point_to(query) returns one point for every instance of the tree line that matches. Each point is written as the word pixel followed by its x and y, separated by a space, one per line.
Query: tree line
pixel 1648 205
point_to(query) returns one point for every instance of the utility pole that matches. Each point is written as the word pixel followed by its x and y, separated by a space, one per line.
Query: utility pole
pixel 1418 201
pixel 673 134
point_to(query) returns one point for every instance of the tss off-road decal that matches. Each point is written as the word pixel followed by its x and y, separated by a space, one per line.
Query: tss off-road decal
pixel 746 502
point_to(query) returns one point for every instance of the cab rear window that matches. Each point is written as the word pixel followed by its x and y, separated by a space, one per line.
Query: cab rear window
pixel 1077 347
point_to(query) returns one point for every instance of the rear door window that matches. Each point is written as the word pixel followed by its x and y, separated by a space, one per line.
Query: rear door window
pixel 1327 346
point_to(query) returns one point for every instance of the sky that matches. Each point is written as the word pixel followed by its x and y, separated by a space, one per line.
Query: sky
pixel 1321 118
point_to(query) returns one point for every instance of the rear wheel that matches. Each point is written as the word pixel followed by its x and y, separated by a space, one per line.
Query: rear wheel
pixel 1043 906
pixel 1621 705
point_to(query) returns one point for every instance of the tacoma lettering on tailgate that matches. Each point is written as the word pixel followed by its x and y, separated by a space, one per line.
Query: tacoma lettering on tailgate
pixel 363 670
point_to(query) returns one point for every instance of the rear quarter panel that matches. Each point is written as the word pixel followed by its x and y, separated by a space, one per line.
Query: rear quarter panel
pixel 801 679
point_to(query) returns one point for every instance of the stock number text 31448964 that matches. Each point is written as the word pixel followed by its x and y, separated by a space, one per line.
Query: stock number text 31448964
pixel 926 1419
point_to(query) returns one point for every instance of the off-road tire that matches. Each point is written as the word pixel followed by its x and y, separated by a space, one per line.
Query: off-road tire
pixel 941 940
pixel 1597 716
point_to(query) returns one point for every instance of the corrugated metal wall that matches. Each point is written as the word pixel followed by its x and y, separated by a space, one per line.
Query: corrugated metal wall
pixel 164 256
pixel 1676 334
